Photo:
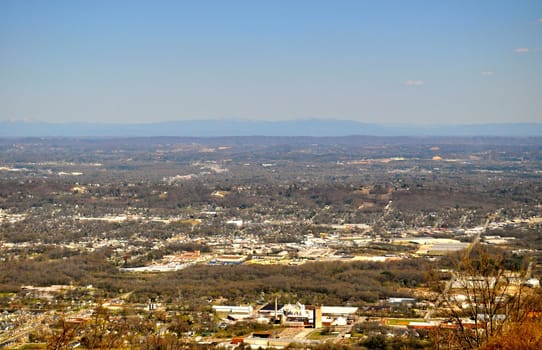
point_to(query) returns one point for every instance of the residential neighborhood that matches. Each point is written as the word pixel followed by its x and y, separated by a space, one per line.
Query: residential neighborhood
pixel 266 252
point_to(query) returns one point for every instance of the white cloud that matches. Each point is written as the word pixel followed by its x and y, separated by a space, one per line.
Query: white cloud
pixel 528 49
pixel 414 82
pixel 540 20
pixel 487 73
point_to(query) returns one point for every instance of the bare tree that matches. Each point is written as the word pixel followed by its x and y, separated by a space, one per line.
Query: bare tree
pixel 63 336
pixel 101 332
pixel 484 295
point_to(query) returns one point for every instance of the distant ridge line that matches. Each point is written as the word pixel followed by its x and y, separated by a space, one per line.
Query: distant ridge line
pixel 231 127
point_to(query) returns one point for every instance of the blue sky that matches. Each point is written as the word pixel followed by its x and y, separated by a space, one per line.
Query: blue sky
pixel 384 61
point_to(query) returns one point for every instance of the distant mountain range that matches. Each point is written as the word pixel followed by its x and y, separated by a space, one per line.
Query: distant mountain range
pixel 216 128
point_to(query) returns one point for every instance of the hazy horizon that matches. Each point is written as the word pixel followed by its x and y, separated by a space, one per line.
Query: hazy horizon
pixel 381 62
pixel 227 128
pixel 242 120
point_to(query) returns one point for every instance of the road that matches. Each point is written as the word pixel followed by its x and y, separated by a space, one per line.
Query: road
pixel 25 330
pixel 441 297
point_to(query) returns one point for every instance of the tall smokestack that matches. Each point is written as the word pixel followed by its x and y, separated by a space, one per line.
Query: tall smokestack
pixel 276 309
pixel 317 316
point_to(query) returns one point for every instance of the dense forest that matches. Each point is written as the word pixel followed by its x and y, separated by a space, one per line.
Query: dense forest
pixel 335 283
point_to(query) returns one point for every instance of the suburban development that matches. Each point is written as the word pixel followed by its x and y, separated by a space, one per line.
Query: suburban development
pixel 359 242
